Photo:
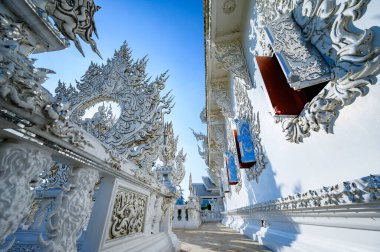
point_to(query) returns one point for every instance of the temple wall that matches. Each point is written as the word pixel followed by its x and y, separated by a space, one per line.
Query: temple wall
pixel 317 211
pixel 322 159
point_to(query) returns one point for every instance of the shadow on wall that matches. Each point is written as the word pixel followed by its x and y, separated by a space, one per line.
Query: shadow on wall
pixel 275 231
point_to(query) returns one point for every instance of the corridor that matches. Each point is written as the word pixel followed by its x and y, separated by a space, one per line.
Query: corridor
pixel 215 237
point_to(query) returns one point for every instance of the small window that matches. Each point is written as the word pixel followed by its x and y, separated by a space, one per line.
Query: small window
pixel 284 101
pixel 244 145
pixel 231 168
pixel 179 214
pixel 165 177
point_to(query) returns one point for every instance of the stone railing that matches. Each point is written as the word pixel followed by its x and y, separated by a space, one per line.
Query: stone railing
pixel 186 217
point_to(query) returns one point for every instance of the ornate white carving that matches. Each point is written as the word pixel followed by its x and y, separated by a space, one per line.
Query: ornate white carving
pixel 363 190
pixel 203 116
pixel 20 166
pixel 330 28
pixel 305 64
pixel 172 160
pixel 150 213
pixel 168 207
pixel 55 176
pixel 20 81
pixel 218 145
pixel 74 18
pixel 179 171
pixel 222 98
pixel 65 129
pixel 169 149
pixel 217 136
pixel 128 213
pixel 203 151
pixel 230 55
pixel 70 215
pixel 157 216
pixel 214 169
pixel 139 129
pixel 148 178
pixel 245 111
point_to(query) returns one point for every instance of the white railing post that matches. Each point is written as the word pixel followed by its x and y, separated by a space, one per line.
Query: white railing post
pixel 20 165
pixel 71 213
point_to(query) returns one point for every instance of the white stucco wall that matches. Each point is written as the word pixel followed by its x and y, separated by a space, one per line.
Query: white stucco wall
pixel 352 151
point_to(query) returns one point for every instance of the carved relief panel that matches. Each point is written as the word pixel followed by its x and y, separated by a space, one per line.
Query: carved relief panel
pixel 128 213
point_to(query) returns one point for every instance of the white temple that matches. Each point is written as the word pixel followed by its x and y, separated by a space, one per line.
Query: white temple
pixel 292 139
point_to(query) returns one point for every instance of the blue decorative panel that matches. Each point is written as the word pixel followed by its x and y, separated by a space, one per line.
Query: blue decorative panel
pixel 180 201
pixel 246 148
pixel 231 168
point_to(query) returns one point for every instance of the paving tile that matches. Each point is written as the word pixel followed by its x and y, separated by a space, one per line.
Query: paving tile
pixel 212 237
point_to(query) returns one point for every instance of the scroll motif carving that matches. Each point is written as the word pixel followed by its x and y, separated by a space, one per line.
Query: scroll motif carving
pixel 20 166
pixel 245 111
pixel 128 214
pixel 71 212
pixel 230 54
pixel 356 60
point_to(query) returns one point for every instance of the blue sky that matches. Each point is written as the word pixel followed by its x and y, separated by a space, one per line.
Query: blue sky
pixel 170 32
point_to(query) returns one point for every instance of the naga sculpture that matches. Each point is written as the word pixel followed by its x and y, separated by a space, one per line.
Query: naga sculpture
pixel 75 17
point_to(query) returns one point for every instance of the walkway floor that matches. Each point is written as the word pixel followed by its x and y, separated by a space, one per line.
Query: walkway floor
pixel 216 237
